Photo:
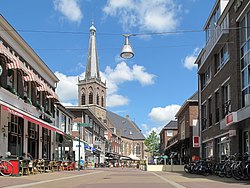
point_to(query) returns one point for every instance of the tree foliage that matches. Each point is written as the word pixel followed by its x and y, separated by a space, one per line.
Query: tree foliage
pixel 152 143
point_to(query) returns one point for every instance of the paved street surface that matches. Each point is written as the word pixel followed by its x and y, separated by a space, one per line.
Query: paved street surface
pixel 118 178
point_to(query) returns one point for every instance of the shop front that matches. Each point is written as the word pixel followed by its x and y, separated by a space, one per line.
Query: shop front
pixel 25 133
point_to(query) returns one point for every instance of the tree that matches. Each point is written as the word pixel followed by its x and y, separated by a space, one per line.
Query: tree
pixel 152 143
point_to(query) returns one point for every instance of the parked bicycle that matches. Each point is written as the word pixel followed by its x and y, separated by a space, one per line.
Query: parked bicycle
pixel 6 168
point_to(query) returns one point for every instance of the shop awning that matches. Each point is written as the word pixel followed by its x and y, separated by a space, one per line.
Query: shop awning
pixel 30 77
pixel 30 118
pixel 14 61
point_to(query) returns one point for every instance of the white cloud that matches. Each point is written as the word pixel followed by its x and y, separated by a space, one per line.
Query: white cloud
pixel 70 9
pixel 67 87
pixel 164 115
pixel 190 59
pixel 148 15
pixel 68 104
pixel 117 100
pixel 123 73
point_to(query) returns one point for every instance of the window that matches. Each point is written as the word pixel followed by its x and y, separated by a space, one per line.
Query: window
pixel 245 59
pixel 226 99
pixel 83 99
pixel 47 104
pixel 169 132
pixel 182 130
pixel 217 107
pixel 222 57
pixel 208 149
pixel 63 122
pixel 205 77
pixel 246 142
pixel 33 139
pixel 203 117
pixel 46 143
pixel 15 134
pixel 90 98
pixel 25 89
pixel 97 99
pixel 102 101
pixel 213 22
pixel 243 31
pixel 224 147
pixel 210 117
pixel 137 149
pixel 10 79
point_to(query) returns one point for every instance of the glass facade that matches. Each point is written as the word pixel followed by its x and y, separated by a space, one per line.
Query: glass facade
pixel 245 59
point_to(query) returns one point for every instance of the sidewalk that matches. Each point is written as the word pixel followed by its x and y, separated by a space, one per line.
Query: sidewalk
pixel 19 180
pixel 189 179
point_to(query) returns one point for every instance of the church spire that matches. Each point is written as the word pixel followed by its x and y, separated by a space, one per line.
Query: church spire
pixel 92 68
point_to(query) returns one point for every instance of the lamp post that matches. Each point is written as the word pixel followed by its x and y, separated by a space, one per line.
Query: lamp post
pixel 79 140
pixel 127 51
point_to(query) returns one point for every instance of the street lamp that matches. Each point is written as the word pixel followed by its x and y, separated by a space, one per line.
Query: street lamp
pixel 127 51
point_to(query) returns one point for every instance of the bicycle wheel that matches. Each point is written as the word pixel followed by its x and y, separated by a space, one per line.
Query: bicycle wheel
pixel 6 168
pixel 187 168
pixel 248 170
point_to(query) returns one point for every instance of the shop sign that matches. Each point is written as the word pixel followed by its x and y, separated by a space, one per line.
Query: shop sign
pixel 196 141
pixel 231 118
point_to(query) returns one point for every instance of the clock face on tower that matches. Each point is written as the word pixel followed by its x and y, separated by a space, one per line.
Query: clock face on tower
pixel 1 70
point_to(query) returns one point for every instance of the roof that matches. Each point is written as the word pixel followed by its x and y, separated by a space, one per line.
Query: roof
pixel 193 98
pixel 128 128
pixel 92 68
pixel 172 125
pixel 25 48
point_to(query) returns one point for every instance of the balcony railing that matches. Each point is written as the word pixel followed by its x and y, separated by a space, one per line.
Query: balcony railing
pixel 219 31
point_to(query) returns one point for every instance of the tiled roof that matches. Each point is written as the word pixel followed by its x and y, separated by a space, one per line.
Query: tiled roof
pixel 128 128
pixel 194 97
pixel 171 125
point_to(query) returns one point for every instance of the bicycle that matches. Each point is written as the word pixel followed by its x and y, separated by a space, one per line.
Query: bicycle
pixel 6 168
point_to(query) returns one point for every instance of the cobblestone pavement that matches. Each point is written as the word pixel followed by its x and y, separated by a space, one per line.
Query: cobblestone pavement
pixel 121 178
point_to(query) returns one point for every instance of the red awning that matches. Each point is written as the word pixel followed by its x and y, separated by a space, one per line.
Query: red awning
pixel 30 77
pixel 14 61
pixel 32 119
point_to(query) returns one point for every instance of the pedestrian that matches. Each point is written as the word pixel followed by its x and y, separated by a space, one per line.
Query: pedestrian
pixel 23 156
pixel 81 163
pixel 29 156
pixel 122 165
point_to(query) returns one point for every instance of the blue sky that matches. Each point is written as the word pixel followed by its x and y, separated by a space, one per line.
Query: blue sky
pixel 152 86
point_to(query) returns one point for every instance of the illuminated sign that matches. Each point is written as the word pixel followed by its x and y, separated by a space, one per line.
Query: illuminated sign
pixel 196 141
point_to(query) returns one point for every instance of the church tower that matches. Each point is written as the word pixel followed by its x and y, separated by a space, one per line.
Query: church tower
pixel 91 90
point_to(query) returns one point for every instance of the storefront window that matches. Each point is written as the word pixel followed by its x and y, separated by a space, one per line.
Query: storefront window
pixel 208 149
pixel 15 135
pixel 33 140
pixel 246 141
pixel 63 122
pixel 224 147
pixel 46 143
